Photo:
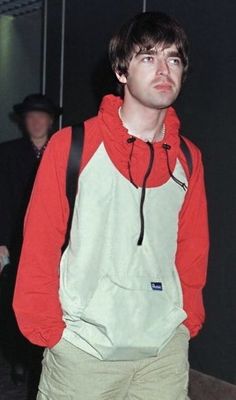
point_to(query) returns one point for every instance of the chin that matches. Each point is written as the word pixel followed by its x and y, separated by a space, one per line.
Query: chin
pixel 164 103
pixel 161 105
pixel 39 135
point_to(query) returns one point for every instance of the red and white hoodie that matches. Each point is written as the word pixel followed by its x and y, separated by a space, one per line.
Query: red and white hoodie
pixel 136 262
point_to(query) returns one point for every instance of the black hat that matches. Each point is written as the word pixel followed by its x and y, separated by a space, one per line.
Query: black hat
pixel 37 102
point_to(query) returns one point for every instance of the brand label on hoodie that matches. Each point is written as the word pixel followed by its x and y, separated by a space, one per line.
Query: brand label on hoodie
pixel 156 285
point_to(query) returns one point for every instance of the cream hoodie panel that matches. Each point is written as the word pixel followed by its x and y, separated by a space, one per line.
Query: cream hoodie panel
pixel 121 301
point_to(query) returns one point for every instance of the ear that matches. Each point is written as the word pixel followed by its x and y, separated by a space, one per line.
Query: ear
pixel 121 78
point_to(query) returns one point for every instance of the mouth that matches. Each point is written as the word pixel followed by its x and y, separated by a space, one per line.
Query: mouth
pixel 163 86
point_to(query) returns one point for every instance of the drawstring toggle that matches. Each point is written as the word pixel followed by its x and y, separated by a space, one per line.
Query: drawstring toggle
pixel 131 140
pixel 167 147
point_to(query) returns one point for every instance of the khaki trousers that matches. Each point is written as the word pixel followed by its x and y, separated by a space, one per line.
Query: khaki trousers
pixel 71 374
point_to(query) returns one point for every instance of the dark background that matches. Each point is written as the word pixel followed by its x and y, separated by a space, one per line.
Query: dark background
pixel 20 57
pixel 207 111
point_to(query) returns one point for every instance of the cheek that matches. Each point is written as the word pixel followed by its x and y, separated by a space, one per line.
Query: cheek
pixel 177 78
pixel 140 73
pixel 43 122
pixel 138 80
pixel 30 125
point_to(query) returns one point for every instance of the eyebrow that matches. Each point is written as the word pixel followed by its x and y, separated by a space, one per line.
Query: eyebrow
pixel 173 53
pixel 170 53
pixel 145 51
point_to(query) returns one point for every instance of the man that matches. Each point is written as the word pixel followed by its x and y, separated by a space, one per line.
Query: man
pixel 19 160
pixel 118 322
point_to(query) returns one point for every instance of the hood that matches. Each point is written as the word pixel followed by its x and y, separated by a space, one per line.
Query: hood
pixel 115 137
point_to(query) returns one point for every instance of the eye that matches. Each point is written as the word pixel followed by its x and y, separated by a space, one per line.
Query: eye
pixel 174 61
pixel 148 59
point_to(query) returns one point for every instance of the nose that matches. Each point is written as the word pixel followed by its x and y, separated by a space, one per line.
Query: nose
pixel 162 67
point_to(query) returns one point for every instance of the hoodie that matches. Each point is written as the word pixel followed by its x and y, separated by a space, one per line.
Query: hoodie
pixel 49 300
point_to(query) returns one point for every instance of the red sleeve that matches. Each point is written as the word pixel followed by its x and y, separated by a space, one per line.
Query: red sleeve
pixel 193 246
pixel 36 300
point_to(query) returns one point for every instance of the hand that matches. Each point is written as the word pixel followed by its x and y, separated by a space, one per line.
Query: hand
pixel 4 253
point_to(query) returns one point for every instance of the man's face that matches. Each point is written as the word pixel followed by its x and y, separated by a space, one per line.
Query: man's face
pixel 154 77
pixel 38 124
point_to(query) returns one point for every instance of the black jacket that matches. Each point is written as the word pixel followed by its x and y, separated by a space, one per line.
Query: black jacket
pixel 18 167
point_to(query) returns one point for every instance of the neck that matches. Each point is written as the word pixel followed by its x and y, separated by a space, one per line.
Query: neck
pixel 143 122
pixel 39 142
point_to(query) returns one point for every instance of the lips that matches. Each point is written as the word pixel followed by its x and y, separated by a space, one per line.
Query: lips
pixel 163 86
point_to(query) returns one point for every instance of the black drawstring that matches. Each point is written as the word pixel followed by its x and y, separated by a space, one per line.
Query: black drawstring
pixel 141 236
pixel 167 147
pixel 131 140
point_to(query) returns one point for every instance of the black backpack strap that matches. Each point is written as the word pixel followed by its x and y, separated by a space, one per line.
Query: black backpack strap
pixel 187 153
pixel 72 173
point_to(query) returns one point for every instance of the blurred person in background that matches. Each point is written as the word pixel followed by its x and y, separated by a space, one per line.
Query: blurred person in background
pixel 19 161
